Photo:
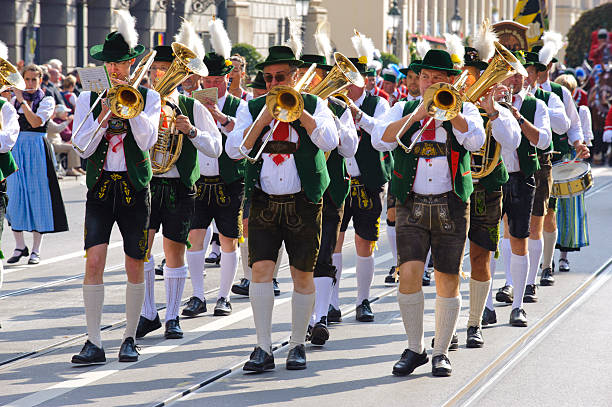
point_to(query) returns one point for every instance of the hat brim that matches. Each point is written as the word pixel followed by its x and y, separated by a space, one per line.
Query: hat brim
pixel 227 69
pixel 293 62
pixel 319 66
pixel 539 67
pixel 97 53
pixel 419 67
pixel 477 64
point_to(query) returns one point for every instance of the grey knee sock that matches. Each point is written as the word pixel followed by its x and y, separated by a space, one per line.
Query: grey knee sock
pixel 447 314
pixel 301 310
pixel 93 298
pixel 134 297
pixel 412 307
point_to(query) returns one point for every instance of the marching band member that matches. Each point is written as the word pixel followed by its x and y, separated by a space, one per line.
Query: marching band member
pixel 118 176
pixel 432 186
pixel 389 85
pixel 371 87
pixel 285 188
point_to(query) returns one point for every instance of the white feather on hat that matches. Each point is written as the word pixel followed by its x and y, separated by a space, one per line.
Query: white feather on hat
pixel 364 47
pixel 484 41
pixel 455 48
pixel 126 25
pixel 219 38
pixel 189 37
pixel 295 37
pixel 3 50
pixel 376 64
pixel 323 43
pixel 422 47
pixel 552 44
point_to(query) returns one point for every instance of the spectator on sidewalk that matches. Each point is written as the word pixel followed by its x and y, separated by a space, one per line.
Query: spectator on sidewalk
pixel 59 135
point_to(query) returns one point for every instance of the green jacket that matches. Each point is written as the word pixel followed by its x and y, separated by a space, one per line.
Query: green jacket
pixel 187 163
pixel 528 154
pixel 7 162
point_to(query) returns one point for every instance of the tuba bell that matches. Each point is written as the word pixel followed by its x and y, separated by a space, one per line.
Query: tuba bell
pixel 167 150
pixel 10 76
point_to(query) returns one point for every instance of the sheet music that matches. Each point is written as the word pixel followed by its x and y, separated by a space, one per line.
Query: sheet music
pixel 94 79
pixel 204 96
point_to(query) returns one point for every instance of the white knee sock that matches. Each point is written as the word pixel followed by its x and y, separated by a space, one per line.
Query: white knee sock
pixel 229 265
pixel 550 239
pixel 323 292
pixel 335 297
pixel 447 314
pixel 279 260
pixel 535 252
pixel 519 265
pixel 93 298
pixel 244 257
pixel 207 239
pixel 262 303
pixel 427 259
pixel 412 307
pixel 492 264
pixel 19 240
pixel 195 262
pixel 149 309
pixel 563 255
pixel 479 290
pixel 36 242
pixel 134 297
pixel 301 310
pixel 506 252
pixel 174 280
pixel 392 242
pixel 365 274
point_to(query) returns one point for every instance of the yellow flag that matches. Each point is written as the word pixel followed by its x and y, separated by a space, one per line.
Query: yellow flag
pixel 529 13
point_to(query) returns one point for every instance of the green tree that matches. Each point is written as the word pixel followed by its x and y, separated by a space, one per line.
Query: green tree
pixel 250 54
pixel 579 36
pixel 388 59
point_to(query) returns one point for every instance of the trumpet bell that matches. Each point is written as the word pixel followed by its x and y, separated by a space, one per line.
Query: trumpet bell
pixel 125 101
pixel 443 101
pixel 285 103
pixel 10 76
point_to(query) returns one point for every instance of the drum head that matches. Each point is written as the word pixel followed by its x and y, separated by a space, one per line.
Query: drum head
pixel 569 170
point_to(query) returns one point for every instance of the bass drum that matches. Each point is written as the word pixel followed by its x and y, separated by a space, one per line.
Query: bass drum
pixel 571 178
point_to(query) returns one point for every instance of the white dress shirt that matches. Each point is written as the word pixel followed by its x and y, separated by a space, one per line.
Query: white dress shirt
pixel 433 174
pixel 283 179
pixel 207 140
pixel 347 133
pixel 45 110
pixel 574 133
pixel 585 122
pixel 410 98
pixel 144 128
pixel 367 124
pixel 10 127
pixel 541 122
pixel 505 129
pixel 559 122
pixel 209 166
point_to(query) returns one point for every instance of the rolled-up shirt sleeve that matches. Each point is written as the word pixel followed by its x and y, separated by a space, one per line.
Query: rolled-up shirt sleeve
pixel 10 128
pixel 392 115
pixel 474 137
pixel 88 128
pixel 234 139
pixel 542 123
pixel 45 109
pixel 325 135
pixel 586 123
pixel 574 133
pixel 208 137
pixel 347 133
pixel 144 126
pixel 505 129
pixel 559 121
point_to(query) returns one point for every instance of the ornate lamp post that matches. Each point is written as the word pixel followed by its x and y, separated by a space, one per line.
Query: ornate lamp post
pixel 395 16
pixel 456 20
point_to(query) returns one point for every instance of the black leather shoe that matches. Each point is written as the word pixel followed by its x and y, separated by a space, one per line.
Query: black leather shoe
pixel 426 277
pixel 276 287
pixel 390 279
pixel 90 355
pixel 146 325
pixel 194 306
pixel 260 361
pixel 296 358
pixel 505 294
pixel 454 345
pixel 489 317
pixel 242 288
pixel 319 334
pixel 441 366
pixel 408 362
pixel 223 307
pixel 530 293
pixel 173 329
pixel 518 317
pixel 334 314
pixel 364 312
pixel 25 252
pixel 213 258
pixel 159 270
pixel 308 333
pixel 474 337
pixel 128 351
pixel 564 265
pixel 547 277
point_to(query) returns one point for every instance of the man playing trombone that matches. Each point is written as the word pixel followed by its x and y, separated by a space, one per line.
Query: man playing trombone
pixel 285 187
pixel 118 175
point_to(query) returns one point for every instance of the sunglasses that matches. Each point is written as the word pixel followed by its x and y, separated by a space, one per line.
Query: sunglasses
pixel 279 77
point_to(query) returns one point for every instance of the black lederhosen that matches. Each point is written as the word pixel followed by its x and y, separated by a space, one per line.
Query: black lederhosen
pixel 332 218
pixel 543 182
pixel 113 199
pixel 3 204
pixel 517 201
pixel 219 201
pixel 485 217
pixel 364 206
pixel 291 219
pixel 172 206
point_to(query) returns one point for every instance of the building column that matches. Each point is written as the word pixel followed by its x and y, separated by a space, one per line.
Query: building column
pixel 424 18
pixel 239 21
pixel 464 8
pixel 403 25
pixel 434 18
pixel 415 17
pixel 444 15
pixel 316 14
pixel 58 31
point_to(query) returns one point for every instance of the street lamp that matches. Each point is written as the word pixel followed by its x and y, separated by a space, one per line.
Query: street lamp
pixel 302 7
pixel 395 16
pixel 456 20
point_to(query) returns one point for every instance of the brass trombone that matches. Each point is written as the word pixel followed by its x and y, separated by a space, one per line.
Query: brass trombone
pixel 124 101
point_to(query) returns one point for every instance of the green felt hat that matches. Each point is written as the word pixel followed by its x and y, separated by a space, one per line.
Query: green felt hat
pixel 411 67
pixel 472 58
pixel 538 48
pixel 320 60
pixel 438 60
pixel 279 54
pixel 217 65
pixel 164 53
pixel 532 59
pixel 258 82
pixel 115 49
pixel 360 64
pixel 371 72
pixel 389 77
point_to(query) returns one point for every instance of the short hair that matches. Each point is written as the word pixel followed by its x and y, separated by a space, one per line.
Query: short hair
pixel 241 59
pixel 33 68
pixel 568 81
pixel 55 63
pixel 68 81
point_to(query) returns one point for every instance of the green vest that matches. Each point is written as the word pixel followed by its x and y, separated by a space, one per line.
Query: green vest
pixel 499 175
pixel 528 154
pixel 137 161
pixel 375 166
pixel 230 170
pixel 405 167
pixel 7 162
pixel 339 184
pixel 309 159
pixel 560 140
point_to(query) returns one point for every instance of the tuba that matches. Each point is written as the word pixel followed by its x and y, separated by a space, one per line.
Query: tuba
pixel 166 151
pixel 9 78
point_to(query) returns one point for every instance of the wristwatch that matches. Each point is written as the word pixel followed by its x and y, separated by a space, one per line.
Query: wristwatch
pixel 520 120
pixel 493 115
pixel 227 121
pixel 192 133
